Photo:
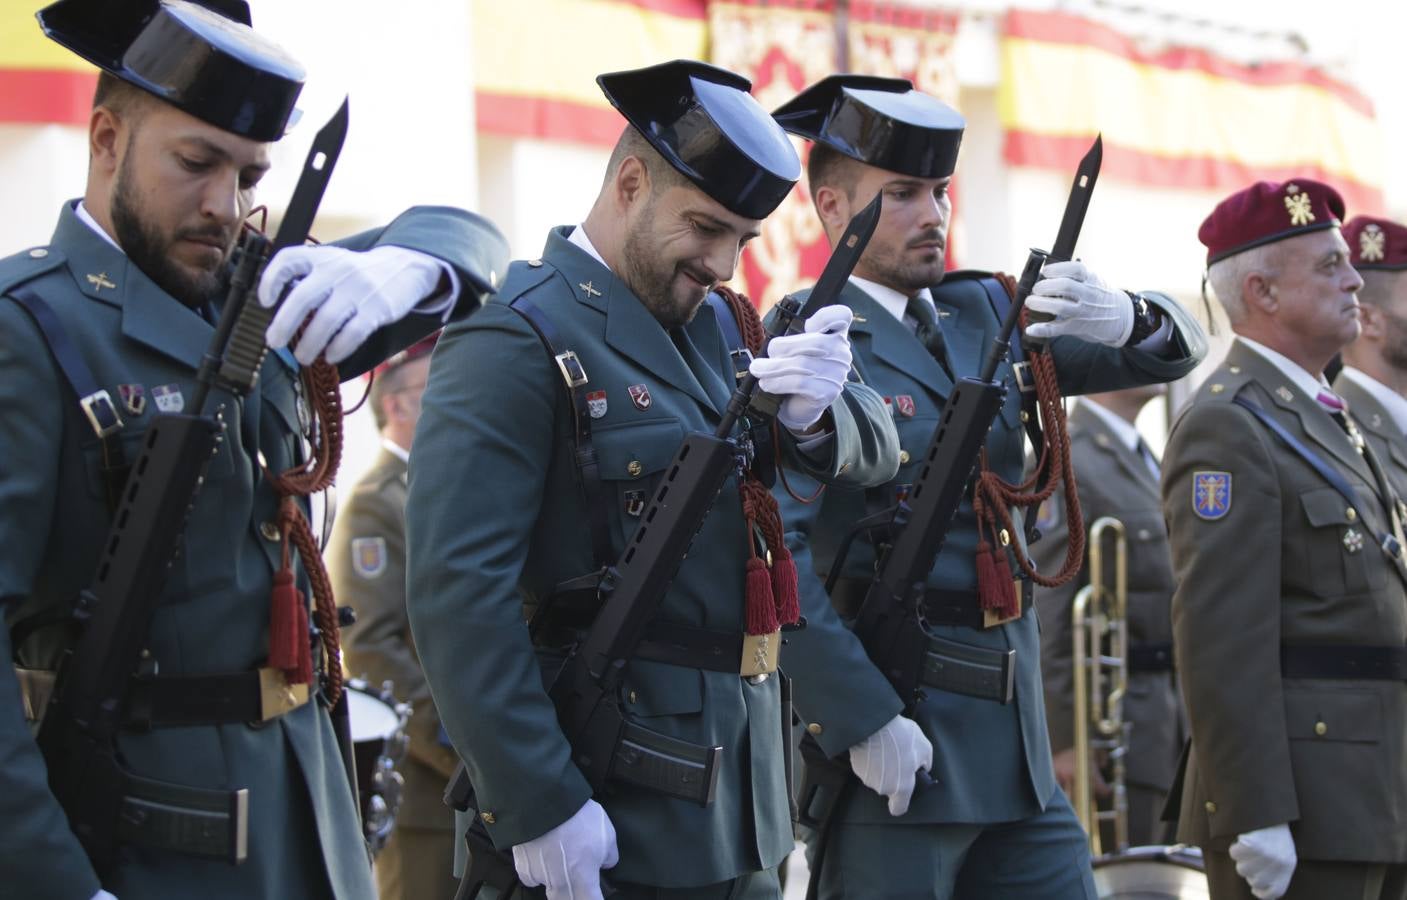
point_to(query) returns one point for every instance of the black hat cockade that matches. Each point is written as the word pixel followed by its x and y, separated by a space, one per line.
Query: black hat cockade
pixel 704 122
pixel 882 122
pixel 202 58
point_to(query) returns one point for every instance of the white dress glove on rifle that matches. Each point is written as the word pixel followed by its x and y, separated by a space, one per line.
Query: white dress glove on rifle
pixel 568 859
pixel 1083 307
pixel 349 294
pixel 103 895
pixel 1266 859
pixel 886 762
pixel 808 370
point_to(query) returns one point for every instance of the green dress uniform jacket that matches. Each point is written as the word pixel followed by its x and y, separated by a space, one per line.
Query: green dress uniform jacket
pixel 1114 481
pixel 1287 562
pixel 366 560
pixel 1379 428
pixel 496 520
pixel 991 761
pixel 213 616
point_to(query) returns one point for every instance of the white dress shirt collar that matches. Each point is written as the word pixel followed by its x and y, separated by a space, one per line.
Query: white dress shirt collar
pixel 1392 401
pixel 1309 384
pixel 578 238
pixel 1122 428
pixel 87 219
pixel 893 301
pixel 396 450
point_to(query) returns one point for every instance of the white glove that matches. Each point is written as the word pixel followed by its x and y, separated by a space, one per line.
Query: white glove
pixel 103 895
pixel 1083 307
pixel 1266 859
pixel 808 369
pixel 886 761
pixel 568 859
pixel 349 294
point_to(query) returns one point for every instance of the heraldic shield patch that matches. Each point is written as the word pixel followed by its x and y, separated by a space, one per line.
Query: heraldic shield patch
pixel 1211 495
pixel 369 556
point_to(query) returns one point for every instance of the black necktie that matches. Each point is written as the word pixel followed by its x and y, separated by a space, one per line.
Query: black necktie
pixel 1149 460
pixel 927 331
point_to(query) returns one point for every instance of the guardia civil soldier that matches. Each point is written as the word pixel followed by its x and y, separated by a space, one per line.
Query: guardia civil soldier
pixel 605 352
pixel 366 559
pixel 993 823
pixel 1117 474
pixel 1289 617
pixel 101 331
pixel 1375 366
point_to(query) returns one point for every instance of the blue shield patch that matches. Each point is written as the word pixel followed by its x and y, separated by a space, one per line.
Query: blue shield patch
pixel 1211 495
pixel 369 556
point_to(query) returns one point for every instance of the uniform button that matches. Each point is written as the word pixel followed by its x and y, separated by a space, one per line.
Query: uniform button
pixel 757 679
pixel 39 253
pixel 815 728
pixel 488 817
pixel 270 531
pixel 1025 416
pixel 1144 534
pixel 535 263
pixel 1211 807
pixel 634 696
pixel 1235 370
pixel 1005 537
pixel 1321 729
pixel 634 468
pixel 903 457
pixel 1218 388
pixel 1351 514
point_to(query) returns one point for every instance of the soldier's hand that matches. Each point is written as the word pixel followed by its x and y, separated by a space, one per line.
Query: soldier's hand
pixel 887 761
pixel 348 295
pixel 808 370
pixel 1064 763
pixel 568 859
pixel 1082 305
pixel 1266 859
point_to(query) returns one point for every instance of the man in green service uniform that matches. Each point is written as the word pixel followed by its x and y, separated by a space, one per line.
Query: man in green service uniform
pixel 366 560
pixel 993 823
pixel 1117 475
pixel 500 513
pixel 117 309
pixel 1290 614
pixel 1374 376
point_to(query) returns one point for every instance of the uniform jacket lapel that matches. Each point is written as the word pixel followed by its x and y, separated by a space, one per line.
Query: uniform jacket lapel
pixel 1316 424
pixel 1374 418
pixel 630 328
pixel 891 342
pixel 1113 448
pixel 966 333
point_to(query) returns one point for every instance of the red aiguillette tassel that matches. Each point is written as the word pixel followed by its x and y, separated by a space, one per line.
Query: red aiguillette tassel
pixel 995 588
pixel 784 587
pixel 288 630
pixel 761 608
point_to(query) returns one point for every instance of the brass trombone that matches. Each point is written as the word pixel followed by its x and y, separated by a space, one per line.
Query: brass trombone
pixel 1099 617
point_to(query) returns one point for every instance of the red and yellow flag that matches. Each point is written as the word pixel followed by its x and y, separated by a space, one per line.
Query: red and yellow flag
pixel 1180 117
pixel 40 82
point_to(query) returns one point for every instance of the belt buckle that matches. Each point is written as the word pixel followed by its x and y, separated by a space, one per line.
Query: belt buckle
pixel 759 656
pixel 277 696
pixel 1024 380
pixel 101 413
pixel 573 372
pixel 990 619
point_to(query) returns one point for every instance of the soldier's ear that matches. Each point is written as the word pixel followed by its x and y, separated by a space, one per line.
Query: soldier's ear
pixel 631 182
pixel 1370 322
pixel 104 139
pixel 833 208
pixel 1259 290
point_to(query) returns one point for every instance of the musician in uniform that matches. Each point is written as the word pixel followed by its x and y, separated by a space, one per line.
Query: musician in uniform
pixel 1374 376
pixel 607 351
pixel 1117 474
pixel 1290 615
pixel 366 560
pixel 993 822
pixel 102 329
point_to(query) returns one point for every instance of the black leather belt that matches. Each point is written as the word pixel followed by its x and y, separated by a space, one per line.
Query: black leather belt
pixel 1332 661
pixel 172 701
pixel 670 643
pixel 961 609
pixel 1150 658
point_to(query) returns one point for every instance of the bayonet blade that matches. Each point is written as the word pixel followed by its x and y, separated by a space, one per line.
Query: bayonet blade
pixel 846 254
pixel 1078 204
pixel 317 172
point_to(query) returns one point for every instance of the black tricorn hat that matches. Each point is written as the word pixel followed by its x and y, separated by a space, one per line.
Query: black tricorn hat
pixel 705 123
pixel 202 58
pixel 883 122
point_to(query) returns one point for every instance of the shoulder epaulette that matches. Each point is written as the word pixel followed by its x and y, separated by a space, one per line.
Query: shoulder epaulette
pixel 523 276
pixel 28 265
pixel 965 275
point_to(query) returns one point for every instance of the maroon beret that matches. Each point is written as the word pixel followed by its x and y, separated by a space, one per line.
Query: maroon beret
pixel 1376 243
pixel 1269 211
pixel 416 350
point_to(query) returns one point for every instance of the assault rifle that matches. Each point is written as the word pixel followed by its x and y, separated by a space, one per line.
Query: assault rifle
pixel 106 804
pixel 607 746
pixel 890 621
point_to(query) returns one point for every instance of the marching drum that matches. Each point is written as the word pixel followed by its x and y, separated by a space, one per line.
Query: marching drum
pixel 1152 873
pixel 379 744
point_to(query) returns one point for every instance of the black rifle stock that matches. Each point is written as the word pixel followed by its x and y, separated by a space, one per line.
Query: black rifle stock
pixel 77 735
pixel 607 747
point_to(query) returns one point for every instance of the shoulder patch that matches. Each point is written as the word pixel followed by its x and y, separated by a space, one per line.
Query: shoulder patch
pixel 369 556
pixel 1211 495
